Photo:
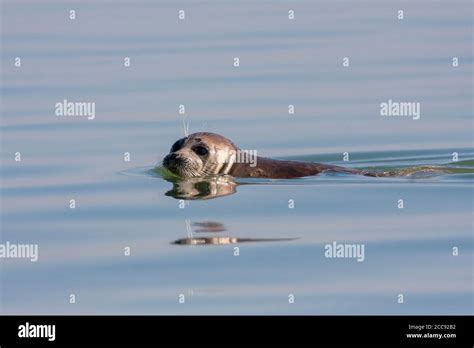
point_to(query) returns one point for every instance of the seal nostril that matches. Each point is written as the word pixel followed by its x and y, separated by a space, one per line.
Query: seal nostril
pixel 170 159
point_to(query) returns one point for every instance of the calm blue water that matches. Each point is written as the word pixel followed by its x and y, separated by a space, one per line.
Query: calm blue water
pixel 123 204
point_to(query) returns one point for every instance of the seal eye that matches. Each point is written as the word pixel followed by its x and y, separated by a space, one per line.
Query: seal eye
pixel 200 150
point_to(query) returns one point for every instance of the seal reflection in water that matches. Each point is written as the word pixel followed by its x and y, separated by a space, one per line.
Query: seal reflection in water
pixel 209 226
pixel 226 240
pixel 217 227
pixel 201 188
pixel 209 154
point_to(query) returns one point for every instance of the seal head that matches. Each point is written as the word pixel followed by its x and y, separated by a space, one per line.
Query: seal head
pixel 200 154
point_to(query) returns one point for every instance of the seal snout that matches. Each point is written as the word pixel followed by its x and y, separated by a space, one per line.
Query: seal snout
pixel 171 160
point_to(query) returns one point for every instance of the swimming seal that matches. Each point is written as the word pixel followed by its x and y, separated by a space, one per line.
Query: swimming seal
pixel 208 154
